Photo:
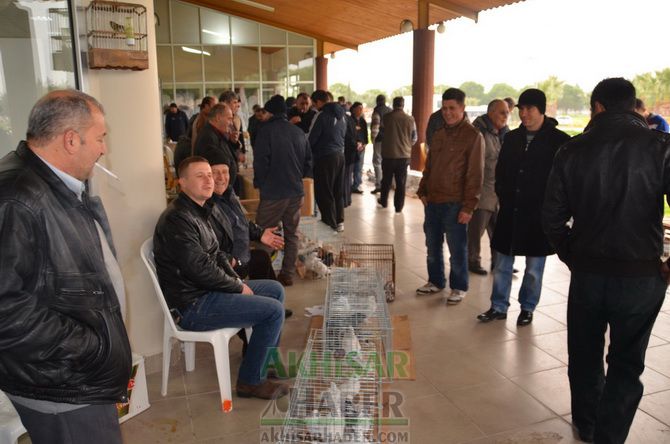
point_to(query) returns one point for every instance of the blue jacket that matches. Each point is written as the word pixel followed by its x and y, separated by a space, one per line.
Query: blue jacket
pixel 327 134
pixel 281 159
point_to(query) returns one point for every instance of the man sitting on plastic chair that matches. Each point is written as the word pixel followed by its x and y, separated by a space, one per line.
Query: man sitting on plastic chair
pixel 202 289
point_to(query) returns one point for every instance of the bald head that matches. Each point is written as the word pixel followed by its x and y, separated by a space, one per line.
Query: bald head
pixel 498 112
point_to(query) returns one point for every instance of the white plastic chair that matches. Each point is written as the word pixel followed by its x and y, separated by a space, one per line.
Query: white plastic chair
pixel 11 427
pixel 218 338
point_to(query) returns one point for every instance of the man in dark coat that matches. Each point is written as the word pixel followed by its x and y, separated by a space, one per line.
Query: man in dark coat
pixel 610 181
pixel 362 138
pixel 176 123
pixel 521 177
pixel 214 137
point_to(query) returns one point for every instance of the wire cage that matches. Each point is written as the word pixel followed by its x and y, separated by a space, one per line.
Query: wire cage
pixel 334 400
pixel 381 257
pixel 356 316
pixel 117 35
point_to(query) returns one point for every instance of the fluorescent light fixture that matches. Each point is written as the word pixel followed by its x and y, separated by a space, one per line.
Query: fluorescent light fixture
pixel 256 5
pixel 194 51
pixel 207 31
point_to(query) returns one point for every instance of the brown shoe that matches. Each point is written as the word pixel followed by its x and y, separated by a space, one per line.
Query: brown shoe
pixel 285 279
pixel 265 390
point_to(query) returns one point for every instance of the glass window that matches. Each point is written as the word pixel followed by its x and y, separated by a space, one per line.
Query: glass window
pixel 167 95
pixel 36 56
pixel 248 93
pixel 215 27
pixel 296 88
pixel 217 64
pixel 272 36
pixel 300 65
pixel 244 32
pixel 162 21
pixel 297 39
pixel 273 64
pixel 185 23
pixel 188 97
pixel 215 89
pixel 272 89
pixel 188 63
pixel 164 56
pixel 245 63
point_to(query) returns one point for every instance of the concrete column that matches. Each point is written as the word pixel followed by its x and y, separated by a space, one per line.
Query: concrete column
pixel 422 91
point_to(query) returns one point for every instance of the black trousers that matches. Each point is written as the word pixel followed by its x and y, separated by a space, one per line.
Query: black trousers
pixel 346 184
pixel 259 266
pixel 90 424
pixel 328 187
pixel 394 168
pixel 604 405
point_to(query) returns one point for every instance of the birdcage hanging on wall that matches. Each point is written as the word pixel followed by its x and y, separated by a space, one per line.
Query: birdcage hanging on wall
pixel 117 35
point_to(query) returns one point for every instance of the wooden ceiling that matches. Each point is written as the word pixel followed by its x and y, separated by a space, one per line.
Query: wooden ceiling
pixel 343 24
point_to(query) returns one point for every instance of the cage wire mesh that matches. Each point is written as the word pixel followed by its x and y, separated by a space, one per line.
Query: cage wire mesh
pixel 381 257
pixel 115 25
pixel 318 245
pixel 356 316
pixel 334 399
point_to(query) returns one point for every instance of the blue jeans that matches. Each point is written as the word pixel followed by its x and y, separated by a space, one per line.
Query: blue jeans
pixel 531 286
pixel 442 219
pixel 264 311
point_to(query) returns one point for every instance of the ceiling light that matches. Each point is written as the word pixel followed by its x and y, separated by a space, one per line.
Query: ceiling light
pixel 441 28
pixel 256 5
pixel 406 26
pixel 194 51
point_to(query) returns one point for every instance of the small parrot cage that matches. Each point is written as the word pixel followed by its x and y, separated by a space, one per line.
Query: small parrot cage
pixel 117 35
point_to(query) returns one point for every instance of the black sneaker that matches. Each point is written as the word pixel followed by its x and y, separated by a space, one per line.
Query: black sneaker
pixel 492 315
pixel 525 318
pixel 477 269
pixel 376 190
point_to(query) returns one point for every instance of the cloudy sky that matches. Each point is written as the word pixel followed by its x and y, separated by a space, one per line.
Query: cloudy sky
pixel 580 41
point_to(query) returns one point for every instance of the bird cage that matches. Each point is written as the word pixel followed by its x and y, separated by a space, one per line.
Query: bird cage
pixel 381 257
pixel 333 400
pixel 117 35
pixel 356 315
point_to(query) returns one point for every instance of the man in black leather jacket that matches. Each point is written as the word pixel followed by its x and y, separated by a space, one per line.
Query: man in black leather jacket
pixel 64 353
pixel 201 287
pixel 603 213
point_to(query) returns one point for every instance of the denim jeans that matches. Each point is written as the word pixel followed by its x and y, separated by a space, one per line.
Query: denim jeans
pixel 531 286
pixel 442 219
pixel 605 405
pixel 264 311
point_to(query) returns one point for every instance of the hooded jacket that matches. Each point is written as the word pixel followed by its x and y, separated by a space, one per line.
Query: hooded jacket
pixel 611 180
pixel 326 137
pixel 492 141
pixel 521 178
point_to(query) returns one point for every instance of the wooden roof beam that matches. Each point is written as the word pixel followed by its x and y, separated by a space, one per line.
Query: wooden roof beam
pixel 456 9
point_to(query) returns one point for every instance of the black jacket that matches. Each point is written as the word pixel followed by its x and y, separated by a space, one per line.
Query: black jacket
pixel 189 262
pixel 225 207
pixel 210 139
pixel 281 159
pixel 305 118
pixel 62 336
pixel 521 178
pixel 611 180
pixel 350 141
pixel 327 134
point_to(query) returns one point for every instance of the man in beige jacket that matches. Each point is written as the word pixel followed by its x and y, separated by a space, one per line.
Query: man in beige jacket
pixel 449 190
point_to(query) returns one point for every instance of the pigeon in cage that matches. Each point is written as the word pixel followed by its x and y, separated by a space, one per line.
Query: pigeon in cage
pixel 389 290
pixel 351 387
pixel 350 342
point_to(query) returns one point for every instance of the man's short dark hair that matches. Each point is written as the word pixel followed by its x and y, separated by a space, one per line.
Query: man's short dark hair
pixel 302 95
pixel 207 101
pixel 398 102
pixel 510 103
pixel 454 94
pixel 216 110
pixel 639 104
pixel 228 96
pixel 614 94
pixel 256 108
pixel 355 105
pixel 172 105
pixel 184 164
pixel 321 95
pixel 341 99
pixel 381 99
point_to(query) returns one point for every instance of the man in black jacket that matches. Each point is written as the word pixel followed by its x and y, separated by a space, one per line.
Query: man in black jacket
pixel 214 136
pixel 523 166
pixel 282 158
pixel 201 287
pixel 64 355
pixel 362 139
pixel 603 213
pixel 302 113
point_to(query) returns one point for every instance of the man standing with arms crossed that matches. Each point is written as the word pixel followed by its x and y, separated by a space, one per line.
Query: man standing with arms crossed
pixel 64 355
pixel 603 213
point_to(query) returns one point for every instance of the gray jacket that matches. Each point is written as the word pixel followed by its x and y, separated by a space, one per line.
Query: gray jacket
pixel 488 200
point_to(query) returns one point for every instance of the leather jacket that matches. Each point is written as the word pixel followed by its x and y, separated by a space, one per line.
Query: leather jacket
pixel 189 262
pixel 62 337
pixel 610 180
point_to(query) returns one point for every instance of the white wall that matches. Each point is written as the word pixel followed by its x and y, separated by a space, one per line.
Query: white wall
pixel 132 106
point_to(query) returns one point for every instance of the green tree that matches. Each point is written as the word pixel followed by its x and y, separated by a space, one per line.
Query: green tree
pixel 573 98
pixel 439 89
pixel 500 91
pixel 553 89
pixel 368 97
pixel 340 89
pixel 474 91
pixel 402 91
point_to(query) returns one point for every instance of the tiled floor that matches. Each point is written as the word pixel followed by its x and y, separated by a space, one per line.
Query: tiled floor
pixel 476 383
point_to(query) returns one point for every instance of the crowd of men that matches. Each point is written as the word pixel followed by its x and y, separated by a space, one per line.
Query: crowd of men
pixel 595 199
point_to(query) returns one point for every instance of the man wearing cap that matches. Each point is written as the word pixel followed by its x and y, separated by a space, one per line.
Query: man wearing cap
pixel 399 136
pixel 449 190
pixel 523 166
pixel 282 158
pixel 377 134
